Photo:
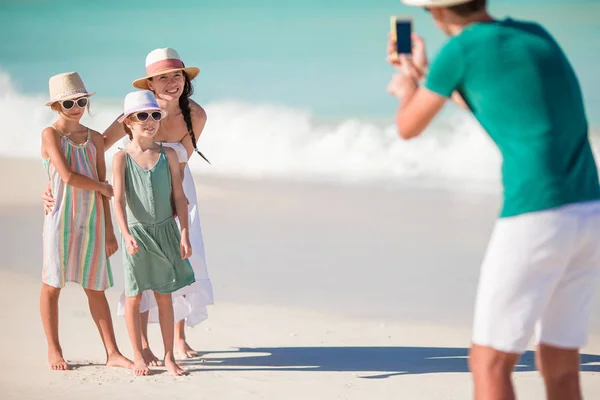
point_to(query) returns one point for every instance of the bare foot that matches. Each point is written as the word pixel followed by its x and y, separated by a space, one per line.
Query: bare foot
pixel 140 368
pixel 56 360
pixel 117 360
pixel 150 358
pixel 173 368
pixel 183 350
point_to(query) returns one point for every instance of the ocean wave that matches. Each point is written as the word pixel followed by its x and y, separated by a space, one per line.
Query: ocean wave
pixel 269 141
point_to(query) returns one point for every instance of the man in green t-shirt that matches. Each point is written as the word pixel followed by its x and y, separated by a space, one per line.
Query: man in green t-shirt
pixel 543 260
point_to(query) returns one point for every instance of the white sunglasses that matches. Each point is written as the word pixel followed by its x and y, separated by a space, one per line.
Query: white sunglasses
pixel 68 104
pixel 143 116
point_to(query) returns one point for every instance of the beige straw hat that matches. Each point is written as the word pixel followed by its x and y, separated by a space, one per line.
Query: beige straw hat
pixel 66 86
pixel 163 61
pixel 434 3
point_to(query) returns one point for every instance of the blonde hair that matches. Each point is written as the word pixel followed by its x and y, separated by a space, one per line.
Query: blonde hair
pixel 127 128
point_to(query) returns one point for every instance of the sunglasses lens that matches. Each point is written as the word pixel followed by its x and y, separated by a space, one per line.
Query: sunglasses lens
pixel 156 116
pixel 142 116
pixel 82 102
pixel 68 104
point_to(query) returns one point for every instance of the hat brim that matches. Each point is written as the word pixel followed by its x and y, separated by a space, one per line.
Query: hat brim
pixel 71 97
pixel 432 4
pixel 142 83
pixel 135 111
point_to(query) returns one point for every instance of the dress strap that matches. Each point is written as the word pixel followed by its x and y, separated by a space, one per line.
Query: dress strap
pixel 58 131
pixel 89 134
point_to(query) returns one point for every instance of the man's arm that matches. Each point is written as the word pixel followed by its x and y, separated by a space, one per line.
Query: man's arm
pixel 416 113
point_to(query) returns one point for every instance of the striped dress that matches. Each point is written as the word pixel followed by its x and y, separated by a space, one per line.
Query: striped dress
pixel 74 232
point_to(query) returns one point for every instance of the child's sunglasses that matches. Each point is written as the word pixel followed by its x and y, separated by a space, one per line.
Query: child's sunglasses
pixel 143 116
pixel 68 104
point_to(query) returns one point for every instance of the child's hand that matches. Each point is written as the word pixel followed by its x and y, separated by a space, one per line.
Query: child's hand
pixel 186 248
pixel 131 244
pixel 107 190
pixel 111 244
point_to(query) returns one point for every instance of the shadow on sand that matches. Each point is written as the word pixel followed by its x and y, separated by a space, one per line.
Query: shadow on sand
pixel 370 362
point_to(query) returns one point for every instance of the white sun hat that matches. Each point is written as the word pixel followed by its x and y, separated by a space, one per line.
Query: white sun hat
pixel 141 100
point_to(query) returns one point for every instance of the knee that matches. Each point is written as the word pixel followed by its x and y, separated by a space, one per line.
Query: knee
pixel 94 294
pixel 485 360
pixel 133 301
pixel 562 376
pixel 50 291
pixel 163 299
pixel 559 366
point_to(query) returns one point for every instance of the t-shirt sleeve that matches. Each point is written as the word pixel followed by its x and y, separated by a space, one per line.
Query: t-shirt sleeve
pixel 446 70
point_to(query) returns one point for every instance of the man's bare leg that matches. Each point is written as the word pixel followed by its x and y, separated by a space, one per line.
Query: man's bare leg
pixel 492 371
pixel 560 370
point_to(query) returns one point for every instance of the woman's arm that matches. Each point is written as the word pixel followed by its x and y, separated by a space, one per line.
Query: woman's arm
pixel 113 134
pixel 110 239
pixel 120 201
pixel 180 202
pixel 51 144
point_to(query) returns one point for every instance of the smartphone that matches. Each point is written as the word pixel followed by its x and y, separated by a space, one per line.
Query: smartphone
pixel 402 31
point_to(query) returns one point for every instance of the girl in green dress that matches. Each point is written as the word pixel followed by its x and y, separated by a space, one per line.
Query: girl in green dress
pixel 146 183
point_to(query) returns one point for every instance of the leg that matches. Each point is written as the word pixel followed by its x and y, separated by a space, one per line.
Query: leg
pixel 49 313
pixel 101 314
pixel 560 369
pixel 182 348
pixel 166 317
pixel 492 370
pixel 149 356
pixel 524 263
pixel 132 319
pixel 563 329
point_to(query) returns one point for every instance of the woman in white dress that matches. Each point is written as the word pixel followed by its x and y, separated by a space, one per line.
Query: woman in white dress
pixel 170 80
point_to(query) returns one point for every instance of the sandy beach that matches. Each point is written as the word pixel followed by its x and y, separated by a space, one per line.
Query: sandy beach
pixel 321 292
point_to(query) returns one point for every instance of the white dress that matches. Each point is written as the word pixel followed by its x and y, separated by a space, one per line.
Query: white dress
pixel 190 302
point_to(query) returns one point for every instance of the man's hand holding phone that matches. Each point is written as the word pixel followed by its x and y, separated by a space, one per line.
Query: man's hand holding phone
pixel 418 57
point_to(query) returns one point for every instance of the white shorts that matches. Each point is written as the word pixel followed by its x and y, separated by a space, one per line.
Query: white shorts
pixel 539 274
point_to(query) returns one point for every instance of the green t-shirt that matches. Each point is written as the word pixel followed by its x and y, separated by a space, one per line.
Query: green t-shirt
pixel 524 92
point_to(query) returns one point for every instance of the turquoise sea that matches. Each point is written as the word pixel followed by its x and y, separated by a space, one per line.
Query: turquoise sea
pixel 292 89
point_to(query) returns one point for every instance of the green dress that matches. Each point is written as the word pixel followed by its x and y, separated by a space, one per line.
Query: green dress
pixel 157 265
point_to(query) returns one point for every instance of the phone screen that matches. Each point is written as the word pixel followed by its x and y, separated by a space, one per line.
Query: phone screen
pixel 403 33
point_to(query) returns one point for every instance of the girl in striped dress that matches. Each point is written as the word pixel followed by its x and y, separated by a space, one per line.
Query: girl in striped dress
pixel 78 233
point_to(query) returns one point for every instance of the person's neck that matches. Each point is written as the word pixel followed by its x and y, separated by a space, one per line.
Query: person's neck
pixel 457 26
pixel 144 143
pixel 66 126
pixel 171 106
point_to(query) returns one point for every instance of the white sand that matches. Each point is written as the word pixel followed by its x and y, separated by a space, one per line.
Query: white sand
pixel 322 292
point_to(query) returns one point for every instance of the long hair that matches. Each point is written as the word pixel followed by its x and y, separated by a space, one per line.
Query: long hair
pixel 184 104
